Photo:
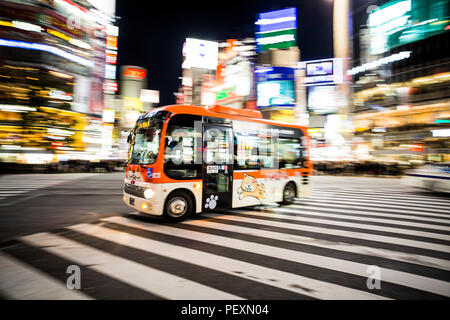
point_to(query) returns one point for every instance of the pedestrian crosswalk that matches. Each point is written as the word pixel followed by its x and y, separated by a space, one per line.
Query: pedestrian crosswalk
pixel 320 247
pixel 24 184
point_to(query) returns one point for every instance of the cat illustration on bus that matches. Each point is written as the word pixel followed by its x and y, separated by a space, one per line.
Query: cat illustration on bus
pixel 251 188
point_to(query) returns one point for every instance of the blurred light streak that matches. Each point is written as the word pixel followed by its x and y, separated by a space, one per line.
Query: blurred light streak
pixel 46 48
pixel 16 108
pixel 60 74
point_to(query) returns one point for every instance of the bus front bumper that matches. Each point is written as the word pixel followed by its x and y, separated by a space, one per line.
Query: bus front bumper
pixel 148 206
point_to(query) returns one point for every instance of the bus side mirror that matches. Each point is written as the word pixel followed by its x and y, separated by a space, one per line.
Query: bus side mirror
pixel 129 138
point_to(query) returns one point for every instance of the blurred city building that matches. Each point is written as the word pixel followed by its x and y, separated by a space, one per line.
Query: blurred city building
pixel 401 82
pixel 326 105
pixel 235 85
pixel 252 73
pixel 278 55
pixel 57 81
pixel 200 59
pixel 133 99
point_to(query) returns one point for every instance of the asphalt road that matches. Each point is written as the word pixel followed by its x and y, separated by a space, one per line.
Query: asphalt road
pixel 352 238
pixel 33 203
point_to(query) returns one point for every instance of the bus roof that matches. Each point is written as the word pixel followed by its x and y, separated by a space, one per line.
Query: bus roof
pixel 219 111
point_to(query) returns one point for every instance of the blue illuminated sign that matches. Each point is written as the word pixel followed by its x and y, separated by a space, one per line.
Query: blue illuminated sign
pixel 277 20
pixel 279 93
pixel 274 74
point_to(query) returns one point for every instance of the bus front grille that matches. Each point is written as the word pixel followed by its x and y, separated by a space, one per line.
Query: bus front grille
pixel 134 190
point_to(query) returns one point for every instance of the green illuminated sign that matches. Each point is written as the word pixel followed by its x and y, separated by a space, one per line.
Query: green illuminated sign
pixel 399 22
pixel 276 39
pixel 225 93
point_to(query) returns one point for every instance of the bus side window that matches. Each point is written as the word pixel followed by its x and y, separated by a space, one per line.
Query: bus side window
pixel 253 150
pixel 180 156
pixel 290 153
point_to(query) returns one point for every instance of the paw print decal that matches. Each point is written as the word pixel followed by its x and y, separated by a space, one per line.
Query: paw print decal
pixel 211 202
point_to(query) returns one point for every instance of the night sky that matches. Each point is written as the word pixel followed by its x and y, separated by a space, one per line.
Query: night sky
pixel 152 36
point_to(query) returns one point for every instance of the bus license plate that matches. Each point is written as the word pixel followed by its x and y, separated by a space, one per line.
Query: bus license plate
pixel 132 201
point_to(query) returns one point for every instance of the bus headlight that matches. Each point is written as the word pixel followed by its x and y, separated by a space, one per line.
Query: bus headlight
pixel 149 193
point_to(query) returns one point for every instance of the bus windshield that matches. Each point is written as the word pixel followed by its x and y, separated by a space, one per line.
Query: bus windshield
pixel 145 141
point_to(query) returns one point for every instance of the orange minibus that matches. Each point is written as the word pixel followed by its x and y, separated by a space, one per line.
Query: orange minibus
pixel 186 159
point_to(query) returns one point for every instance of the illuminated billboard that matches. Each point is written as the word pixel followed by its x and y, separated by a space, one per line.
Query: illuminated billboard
pixel 319 68
pixel 325 99
pixel 399 22
pixel 276 29
pixel 110 71
pixel 151 96
pixel 275 93
pixel 134 73
pixel 275 87
pixel 274 73
pixel 324 71
pixel 201 54
pixel 385 19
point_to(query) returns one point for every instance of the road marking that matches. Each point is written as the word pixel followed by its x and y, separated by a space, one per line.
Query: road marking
pixel 351 248
pixel 325 196
pixel 21 282
pixel 356 211
pixel 384 195
pixel 359 222
pixel 287 281
pixel 350 234
pixel 395 213
pixel 152 280
pixel 359 269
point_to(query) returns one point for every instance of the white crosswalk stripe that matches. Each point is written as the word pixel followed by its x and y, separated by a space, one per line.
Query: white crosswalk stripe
pixel 325 262
pixel 283 280
pixel 322 218
pixel 371 194
pixel 356 235
pixel 397 212
pixel 384 213
pixel 19 281
pixel 159 282
pixel 25 184
pixel 376 252
pixel 373 200
pixel 427 210
pixel 319 247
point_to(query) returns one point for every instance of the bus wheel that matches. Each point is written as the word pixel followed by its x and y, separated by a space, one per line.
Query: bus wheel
pixel 288 194
pixel 178 206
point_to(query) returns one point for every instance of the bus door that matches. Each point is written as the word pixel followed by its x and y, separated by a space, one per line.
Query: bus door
pixel 218 151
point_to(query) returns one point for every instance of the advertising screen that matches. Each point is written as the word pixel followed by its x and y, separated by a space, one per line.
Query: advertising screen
pixel 325 99
pixel 274 73
pixel 276 29
pixel 391 16
pixel 319 68
pixel 201 54
pixel 277 20
pixel 275 93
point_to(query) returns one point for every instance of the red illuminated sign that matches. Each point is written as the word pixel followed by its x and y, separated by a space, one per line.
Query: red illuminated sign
pixel 56 145
pixel 111 42
pixel 111 58
pixel 416 148
pixel 110 86
pixel 138 74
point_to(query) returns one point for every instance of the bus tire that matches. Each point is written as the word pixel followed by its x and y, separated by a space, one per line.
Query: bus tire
pixel 178 206
pixel 289 193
